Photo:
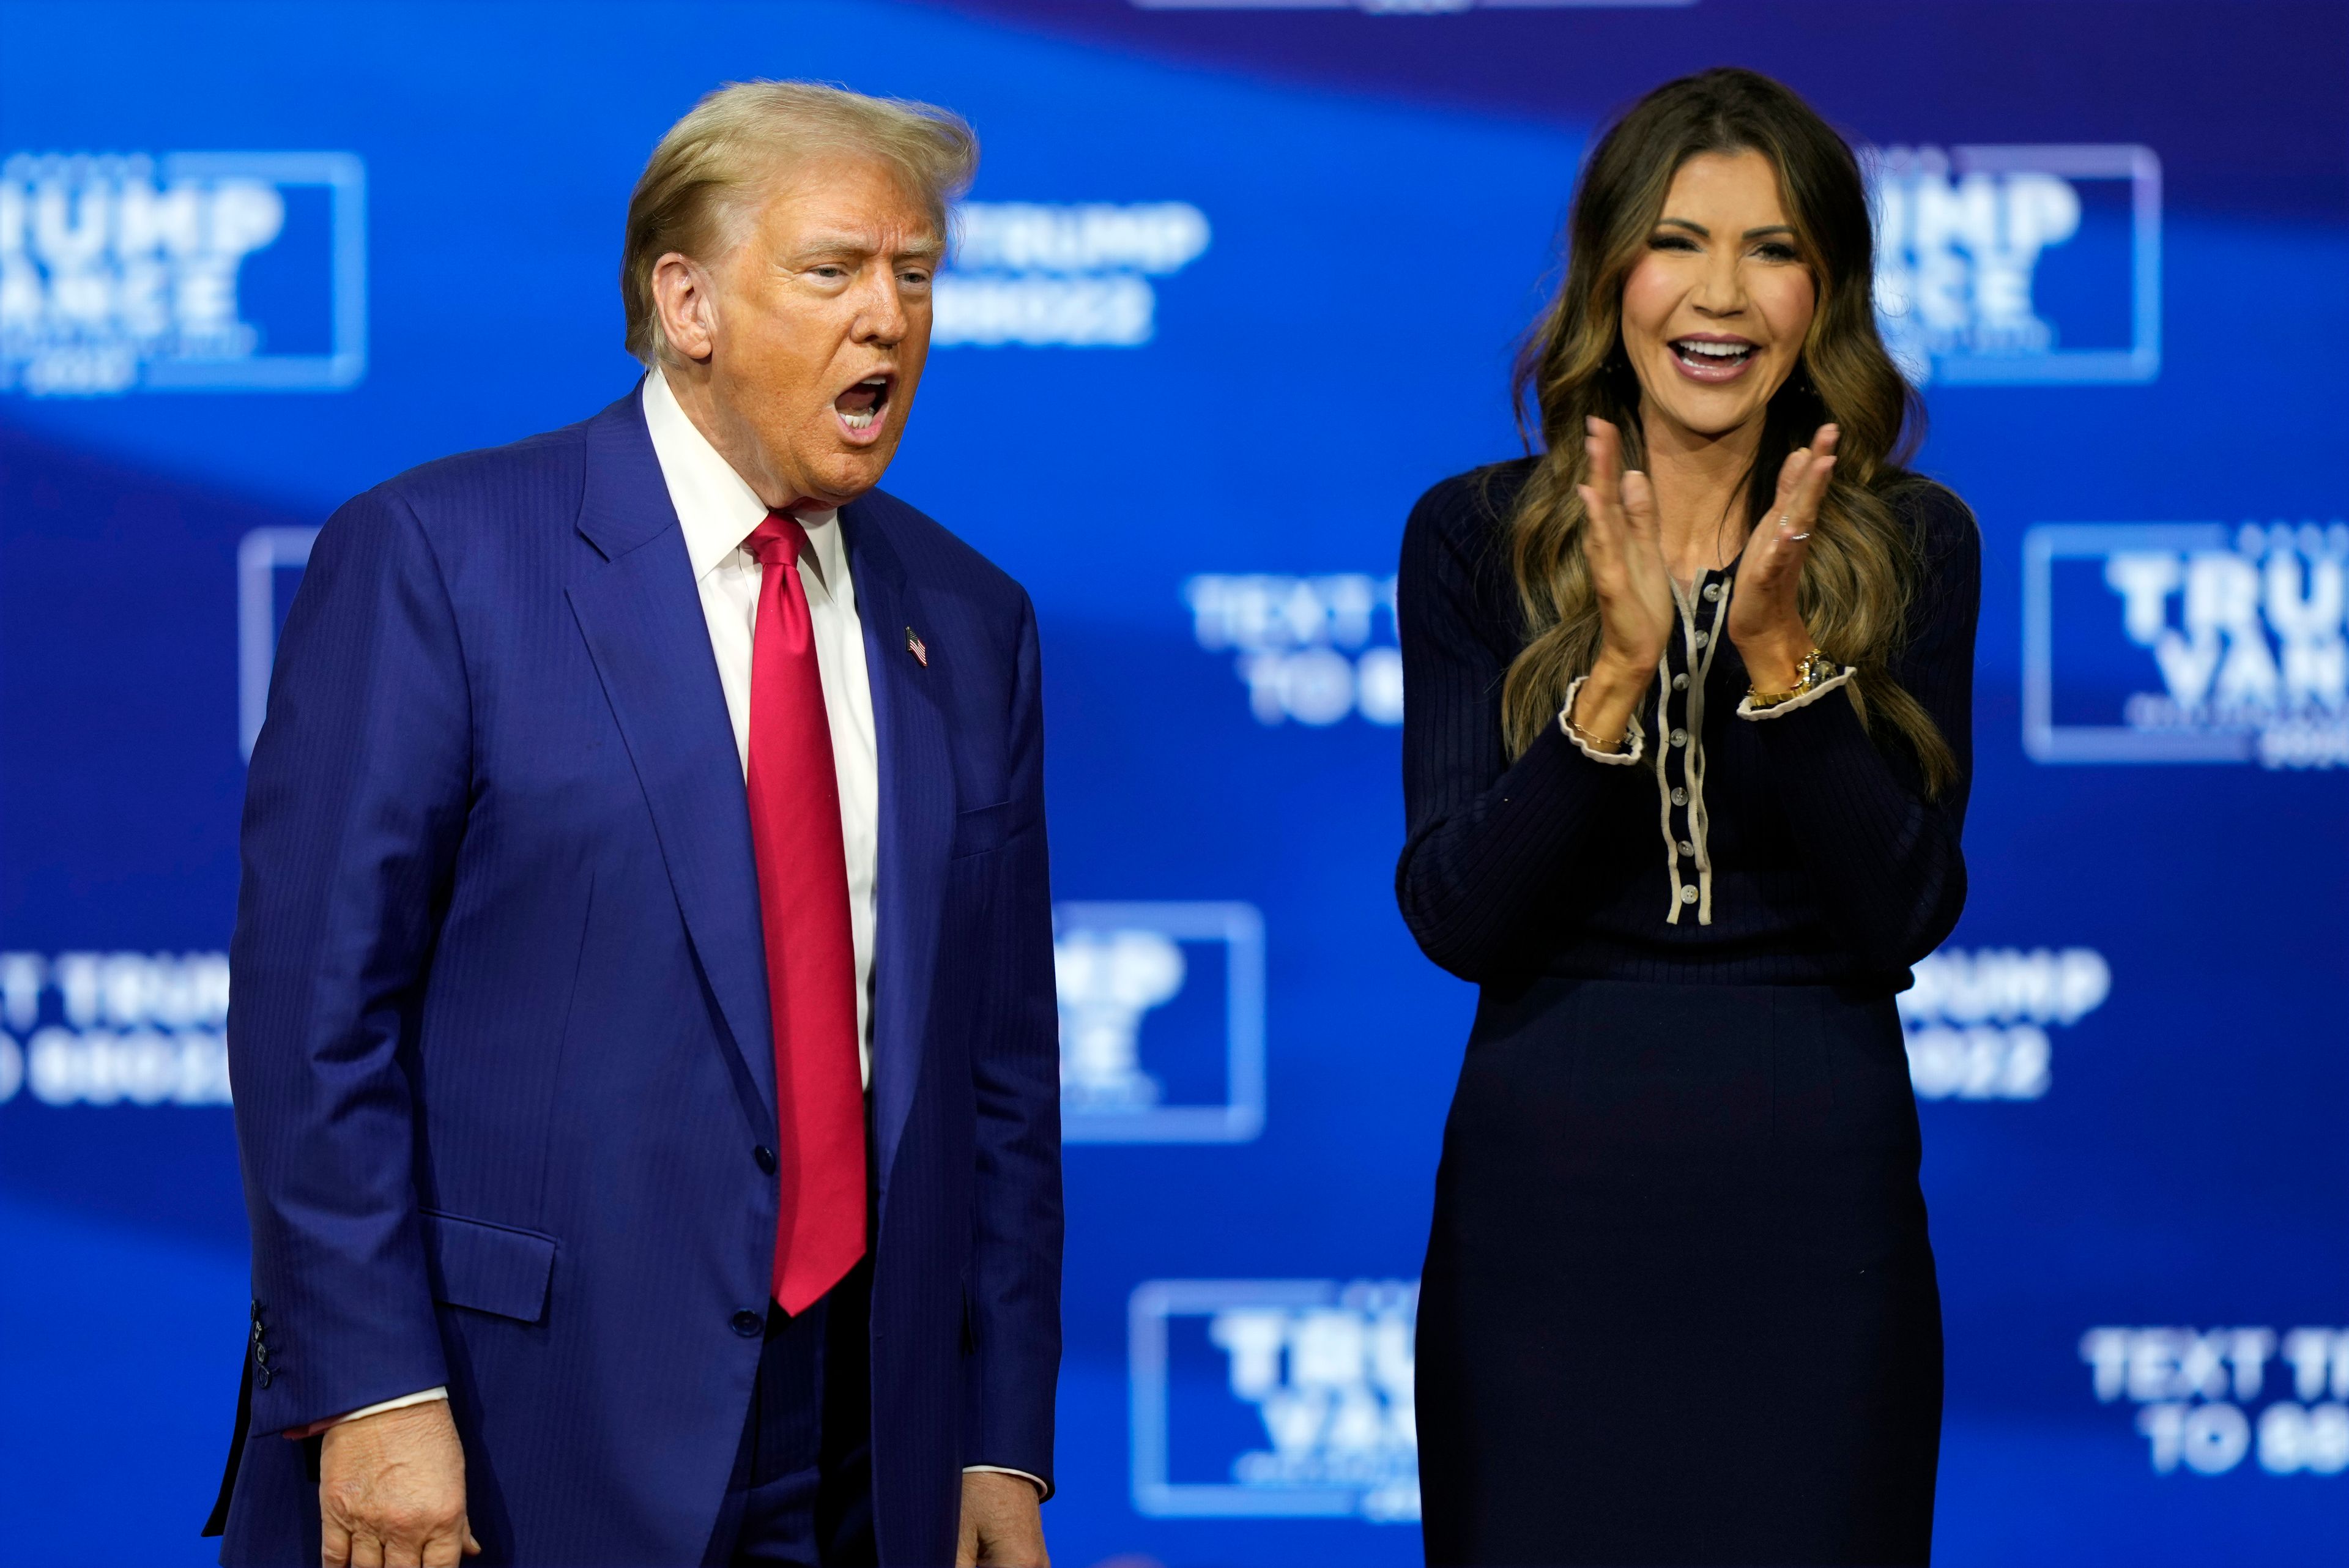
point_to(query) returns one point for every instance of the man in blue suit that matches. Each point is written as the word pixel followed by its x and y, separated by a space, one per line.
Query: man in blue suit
pixel 644 1038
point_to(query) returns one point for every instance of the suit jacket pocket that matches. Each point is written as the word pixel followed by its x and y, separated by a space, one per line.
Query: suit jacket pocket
pixel 985 827
pixel 489 1268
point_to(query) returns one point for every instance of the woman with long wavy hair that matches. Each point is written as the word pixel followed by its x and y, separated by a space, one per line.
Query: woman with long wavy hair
pixel 1686 745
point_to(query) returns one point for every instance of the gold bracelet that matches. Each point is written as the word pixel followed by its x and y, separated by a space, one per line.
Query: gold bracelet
pixel 1811 671
pixel 1585 738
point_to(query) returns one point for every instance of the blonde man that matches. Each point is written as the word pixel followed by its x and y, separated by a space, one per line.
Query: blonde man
pixel 645 1042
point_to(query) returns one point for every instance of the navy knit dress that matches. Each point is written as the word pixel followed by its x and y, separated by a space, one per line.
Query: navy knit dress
pixel 1679 1304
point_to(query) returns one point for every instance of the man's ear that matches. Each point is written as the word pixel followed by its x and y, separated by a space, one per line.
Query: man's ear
pixel 687 304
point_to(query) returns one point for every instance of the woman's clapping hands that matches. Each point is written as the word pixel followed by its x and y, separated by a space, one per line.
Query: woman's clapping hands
pixel 1766 621
pixel 1623 544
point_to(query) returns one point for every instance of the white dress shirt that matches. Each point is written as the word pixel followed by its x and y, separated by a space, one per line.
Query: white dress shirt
pixel 717 510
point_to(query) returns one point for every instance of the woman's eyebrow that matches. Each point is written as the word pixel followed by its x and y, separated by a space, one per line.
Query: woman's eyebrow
pixel 1696 228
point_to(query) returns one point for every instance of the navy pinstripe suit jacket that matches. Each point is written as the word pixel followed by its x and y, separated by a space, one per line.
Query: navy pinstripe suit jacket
pixel 500 1039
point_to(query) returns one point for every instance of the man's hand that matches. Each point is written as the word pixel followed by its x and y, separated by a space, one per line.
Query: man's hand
pixel 391 1491
pixel 1001 1522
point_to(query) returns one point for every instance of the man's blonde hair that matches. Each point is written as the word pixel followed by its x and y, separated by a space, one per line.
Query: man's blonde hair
pixel 736 147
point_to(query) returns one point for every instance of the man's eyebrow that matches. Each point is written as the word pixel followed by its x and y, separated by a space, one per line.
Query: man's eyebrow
pixel 843 244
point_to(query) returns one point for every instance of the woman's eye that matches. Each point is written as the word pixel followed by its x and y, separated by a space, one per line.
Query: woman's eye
pixel 1670 242
pixel 1777 251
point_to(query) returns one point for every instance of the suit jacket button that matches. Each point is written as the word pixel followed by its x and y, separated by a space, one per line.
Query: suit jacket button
pixel 750 1325
pixel 766 1159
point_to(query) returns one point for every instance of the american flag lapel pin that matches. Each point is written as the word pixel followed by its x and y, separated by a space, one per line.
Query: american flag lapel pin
pixel 914 646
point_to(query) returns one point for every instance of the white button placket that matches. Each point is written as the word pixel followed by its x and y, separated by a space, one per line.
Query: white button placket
pixel 1685 689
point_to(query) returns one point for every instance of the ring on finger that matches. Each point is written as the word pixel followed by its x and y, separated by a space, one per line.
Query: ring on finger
pixel 1787 519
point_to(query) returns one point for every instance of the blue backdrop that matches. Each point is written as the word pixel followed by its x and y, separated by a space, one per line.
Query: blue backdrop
pixel 1239 281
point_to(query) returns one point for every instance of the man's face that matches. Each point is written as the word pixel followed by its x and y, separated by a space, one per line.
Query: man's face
pixel 820 328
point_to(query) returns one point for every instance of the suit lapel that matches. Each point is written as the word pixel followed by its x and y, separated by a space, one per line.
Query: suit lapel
pixel 641 614
pixel 918 810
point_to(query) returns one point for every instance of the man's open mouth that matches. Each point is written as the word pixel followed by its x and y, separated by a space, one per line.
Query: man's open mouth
pixel 861 405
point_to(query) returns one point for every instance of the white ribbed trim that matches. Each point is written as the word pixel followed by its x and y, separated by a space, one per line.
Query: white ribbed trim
pixel 1746 710
pixel 1613 759
pixel 1700 662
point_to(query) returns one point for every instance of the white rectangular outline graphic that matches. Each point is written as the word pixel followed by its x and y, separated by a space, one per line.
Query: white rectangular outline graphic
pixel 1241 1118
pixel 259 554
pixel 1154 1495
pixel 2042 739
pixel 2141 360
pixel 343 365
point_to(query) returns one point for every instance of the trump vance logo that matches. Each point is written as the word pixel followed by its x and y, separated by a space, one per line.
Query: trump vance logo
pixel 1162 1022
pixel 2014 264
pixel 2186 643
pixel 1270 1398
pixel 188 272
pixel 269 562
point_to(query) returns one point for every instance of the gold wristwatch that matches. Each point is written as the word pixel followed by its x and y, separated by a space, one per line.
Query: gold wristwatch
pixel 1814 671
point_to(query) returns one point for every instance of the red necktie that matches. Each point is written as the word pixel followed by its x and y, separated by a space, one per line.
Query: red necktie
pixel 803 910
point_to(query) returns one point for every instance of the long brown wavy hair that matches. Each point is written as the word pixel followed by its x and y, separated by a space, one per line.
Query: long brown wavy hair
pixel 1862 568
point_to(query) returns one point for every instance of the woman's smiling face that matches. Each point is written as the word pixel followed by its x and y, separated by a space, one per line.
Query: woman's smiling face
pixel 1716 310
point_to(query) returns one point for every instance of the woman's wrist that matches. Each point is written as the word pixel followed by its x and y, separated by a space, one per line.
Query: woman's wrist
pixel 1600 708
pixel 1775 664
pixel 1614 674
pixel 1600 713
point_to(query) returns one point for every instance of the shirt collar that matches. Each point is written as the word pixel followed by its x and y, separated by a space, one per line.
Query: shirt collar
pixel 715 507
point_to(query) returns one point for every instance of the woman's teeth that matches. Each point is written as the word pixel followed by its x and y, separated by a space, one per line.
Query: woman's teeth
pixel 1715 353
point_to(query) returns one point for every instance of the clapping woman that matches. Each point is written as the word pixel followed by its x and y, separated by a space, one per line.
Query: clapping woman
pixel 1686 752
